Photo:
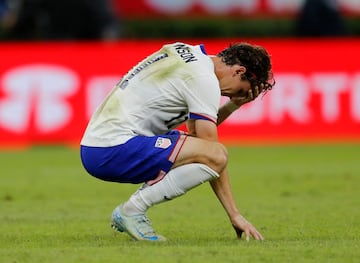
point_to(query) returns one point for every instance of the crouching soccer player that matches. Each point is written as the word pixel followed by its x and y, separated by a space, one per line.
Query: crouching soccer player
pixel 131 138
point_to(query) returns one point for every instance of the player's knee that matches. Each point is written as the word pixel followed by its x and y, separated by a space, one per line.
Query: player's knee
pixel 220 157
pixel 212 154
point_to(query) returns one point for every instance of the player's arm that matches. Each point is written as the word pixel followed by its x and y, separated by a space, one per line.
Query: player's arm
pixel 204 129
pixel 190 126
pixel 236 102
pixel 222 189
pixel 207 130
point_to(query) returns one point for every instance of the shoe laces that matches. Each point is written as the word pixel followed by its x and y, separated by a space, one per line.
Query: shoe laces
pixel 144 225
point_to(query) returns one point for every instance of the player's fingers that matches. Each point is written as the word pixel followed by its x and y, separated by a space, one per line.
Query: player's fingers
pixel 256 234
pixel 261 237
pixel 250 94
pixel 261 87
pixel 247 235
pixel 256 91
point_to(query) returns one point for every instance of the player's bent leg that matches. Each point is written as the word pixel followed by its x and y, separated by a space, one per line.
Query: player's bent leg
pixel 177 182
pixel 197 161
pixel 196 150
pixel 130 217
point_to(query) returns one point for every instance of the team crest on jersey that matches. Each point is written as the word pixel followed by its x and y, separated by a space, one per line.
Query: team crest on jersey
pixel 162 143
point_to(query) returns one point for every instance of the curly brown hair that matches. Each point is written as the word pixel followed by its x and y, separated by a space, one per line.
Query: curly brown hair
pixel 255 59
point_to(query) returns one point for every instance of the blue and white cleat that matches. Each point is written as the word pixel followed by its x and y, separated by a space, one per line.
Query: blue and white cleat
pixel 138 226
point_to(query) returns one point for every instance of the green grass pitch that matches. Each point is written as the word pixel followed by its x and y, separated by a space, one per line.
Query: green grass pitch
pixel 305 199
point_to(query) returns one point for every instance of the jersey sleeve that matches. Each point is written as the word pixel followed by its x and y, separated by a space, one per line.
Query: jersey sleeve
pixel 203 98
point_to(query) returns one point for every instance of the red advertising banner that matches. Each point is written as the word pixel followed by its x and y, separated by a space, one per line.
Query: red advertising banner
pixel 49 90
pixel 186 8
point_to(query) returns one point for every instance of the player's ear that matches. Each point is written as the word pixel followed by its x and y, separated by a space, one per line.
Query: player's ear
pixel 238 70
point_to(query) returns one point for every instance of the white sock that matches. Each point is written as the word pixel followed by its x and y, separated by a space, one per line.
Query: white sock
pixel 176 183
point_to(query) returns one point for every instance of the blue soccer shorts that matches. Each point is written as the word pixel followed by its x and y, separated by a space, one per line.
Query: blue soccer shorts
pixel 141 159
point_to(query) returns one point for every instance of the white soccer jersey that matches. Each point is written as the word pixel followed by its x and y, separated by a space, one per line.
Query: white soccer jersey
pixel 176 83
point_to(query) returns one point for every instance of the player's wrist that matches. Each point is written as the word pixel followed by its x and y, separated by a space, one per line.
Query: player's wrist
pixel 231 106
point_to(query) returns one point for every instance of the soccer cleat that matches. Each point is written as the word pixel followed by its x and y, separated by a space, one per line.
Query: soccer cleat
pixel 137 226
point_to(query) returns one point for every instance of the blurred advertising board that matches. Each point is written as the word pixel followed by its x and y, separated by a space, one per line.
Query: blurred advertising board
pixel 186 8
pixel 49 90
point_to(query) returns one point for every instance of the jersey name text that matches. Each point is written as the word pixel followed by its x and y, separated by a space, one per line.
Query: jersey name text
pixel 185 53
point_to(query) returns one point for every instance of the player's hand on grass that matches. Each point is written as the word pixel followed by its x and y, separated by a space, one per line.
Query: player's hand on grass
pixel 241 225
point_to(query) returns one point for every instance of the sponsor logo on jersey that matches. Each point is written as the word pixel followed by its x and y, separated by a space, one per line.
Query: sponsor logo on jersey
pixel 163 143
